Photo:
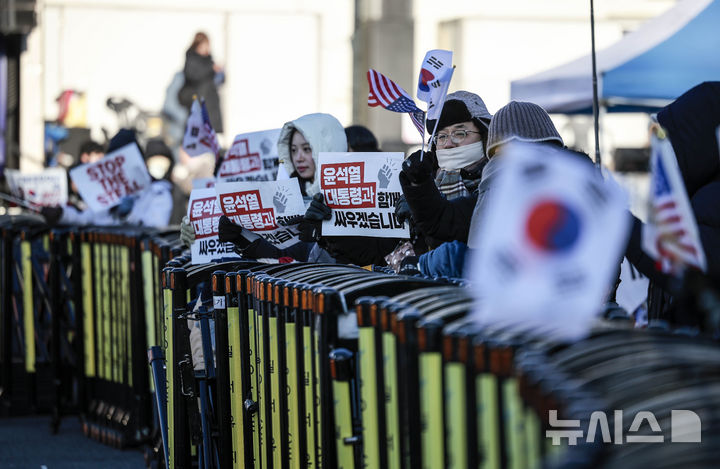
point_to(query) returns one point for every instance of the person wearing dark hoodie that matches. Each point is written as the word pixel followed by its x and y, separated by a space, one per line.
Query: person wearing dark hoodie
pixel 202 77
pixel 516 121
pixel 691 123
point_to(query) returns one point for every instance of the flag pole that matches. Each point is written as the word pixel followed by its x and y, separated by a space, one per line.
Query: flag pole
pixel 598 160
pixel 442 104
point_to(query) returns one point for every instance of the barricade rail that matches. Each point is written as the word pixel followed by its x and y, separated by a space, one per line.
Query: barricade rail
pixel 335 366
pixel 325 365
pixel 80 306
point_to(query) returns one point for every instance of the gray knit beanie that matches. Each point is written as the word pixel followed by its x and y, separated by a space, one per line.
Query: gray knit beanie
pixel 526 122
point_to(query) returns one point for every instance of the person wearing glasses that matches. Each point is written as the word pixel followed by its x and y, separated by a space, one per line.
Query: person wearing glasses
pixel 450 221
pixel 449 170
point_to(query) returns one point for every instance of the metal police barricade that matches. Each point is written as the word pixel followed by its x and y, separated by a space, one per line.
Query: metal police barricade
pixel 26 349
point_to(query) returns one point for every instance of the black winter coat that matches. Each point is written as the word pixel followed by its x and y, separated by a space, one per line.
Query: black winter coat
pixel 200 80
pixel 691 121
pixel 441 219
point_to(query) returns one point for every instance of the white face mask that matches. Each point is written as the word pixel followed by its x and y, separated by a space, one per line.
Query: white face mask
pixel 460 157
pixel 158 166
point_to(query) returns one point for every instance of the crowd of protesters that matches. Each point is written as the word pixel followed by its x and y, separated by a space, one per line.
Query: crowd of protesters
pixel 446 186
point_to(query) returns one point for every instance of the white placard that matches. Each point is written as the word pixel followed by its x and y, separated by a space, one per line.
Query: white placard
pixel 252 157
pixel 204 213
pixel 48 188
pixel 203 183
pixel 362 190
pixel 263 207
pixel 218 302
pixel 548 243
pixel 104 183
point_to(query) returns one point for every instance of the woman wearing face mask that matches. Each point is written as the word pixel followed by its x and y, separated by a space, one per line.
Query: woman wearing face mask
pixel 449 170
pixel 149 207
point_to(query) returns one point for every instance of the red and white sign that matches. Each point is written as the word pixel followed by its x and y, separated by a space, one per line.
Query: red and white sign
pixel 252 157
pixel 262 207
pixel 104 183
pixel 204 213
pixel 47 188
pixel 362 190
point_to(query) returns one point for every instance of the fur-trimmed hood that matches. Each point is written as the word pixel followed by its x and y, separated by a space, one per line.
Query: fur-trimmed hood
pixel 322 131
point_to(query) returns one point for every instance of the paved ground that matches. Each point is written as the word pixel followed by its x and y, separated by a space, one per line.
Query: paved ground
pixel 27 443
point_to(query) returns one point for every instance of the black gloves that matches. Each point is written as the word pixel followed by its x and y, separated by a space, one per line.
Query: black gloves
pixel 317 210
pixel 402 210
pixel 314 216
pixel 51 214
pixel 410 266
pixel 417 171
pixel 229 232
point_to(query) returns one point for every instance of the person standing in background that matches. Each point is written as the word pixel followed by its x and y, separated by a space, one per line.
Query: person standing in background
pixel 202 78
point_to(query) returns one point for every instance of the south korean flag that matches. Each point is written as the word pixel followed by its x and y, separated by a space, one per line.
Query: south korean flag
pixel 548 243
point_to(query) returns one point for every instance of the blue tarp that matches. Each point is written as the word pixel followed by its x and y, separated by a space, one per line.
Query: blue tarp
pixel 645 70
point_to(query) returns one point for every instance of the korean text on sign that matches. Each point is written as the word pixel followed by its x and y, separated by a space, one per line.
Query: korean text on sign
pixel 362 190
pixel 344 187
pixel 246 210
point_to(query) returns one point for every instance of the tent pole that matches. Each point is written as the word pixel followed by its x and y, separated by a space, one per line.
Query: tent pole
pixel 594 84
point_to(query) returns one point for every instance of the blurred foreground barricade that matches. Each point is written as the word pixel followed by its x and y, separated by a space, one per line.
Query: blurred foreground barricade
pixel 327 365
pixel 335 366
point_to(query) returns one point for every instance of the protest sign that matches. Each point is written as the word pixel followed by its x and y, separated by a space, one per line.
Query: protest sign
pixel 204 213
pixel 48 188
pixel 263 207
pixel 104 183
pixel 203 183
pixel 547 244
pixel 362 190
pixel 252 157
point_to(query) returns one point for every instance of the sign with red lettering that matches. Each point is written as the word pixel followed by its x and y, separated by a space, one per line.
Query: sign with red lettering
pixel 252 157
pixel 47 188
pixel 362 190
pixel 204 213
pixel 104 183
pixel 264 207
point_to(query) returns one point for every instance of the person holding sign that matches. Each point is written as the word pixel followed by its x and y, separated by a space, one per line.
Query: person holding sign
pixel 299 144
pixel 118 190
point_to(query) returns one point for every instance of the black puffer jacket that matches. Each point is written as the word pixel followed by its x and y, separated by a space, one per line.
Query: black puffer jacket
pixel 200 80
pixel 691 122
pixel 438 218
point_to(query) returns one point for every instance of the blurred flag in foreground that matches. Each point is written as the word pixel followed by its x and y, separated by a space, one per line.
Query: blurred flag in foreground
pixel 199 136
pixel 435 74
pixel 671 235
pixel 388 94
pixel 550 240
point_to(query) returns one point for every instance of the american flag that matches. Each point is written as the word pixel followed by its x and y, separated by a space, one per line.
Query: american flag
pixel 671 235
pixel 386 93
